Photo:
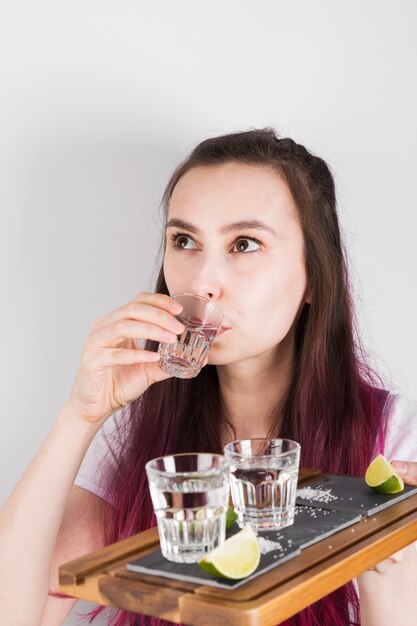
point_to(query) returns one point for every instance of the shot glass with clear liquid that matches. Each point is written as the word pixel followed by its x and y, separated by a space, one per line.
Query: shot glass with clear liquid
pixel 202 320
pixel 190 496
pixel 263 481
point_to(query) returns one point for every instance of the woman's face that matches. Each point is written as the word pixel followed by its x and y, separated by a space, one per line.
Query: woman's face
pixel 233 236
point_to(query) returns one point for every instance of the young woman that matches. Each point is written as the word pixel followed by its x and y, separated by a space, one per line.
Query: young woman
pixel 251 223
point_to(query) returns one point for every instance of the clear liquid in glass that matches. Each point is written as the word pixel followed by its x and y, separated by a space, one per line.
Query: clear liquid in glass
pixel 191 516
pixel 264 497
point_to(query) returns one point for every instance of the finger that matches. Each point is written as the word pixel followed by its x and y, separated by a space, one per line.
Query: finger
pixel 111 336
pixel 382 567
pixel 133 310
pixel 407 470
pixel 109 357
pixel 160 309
pixel 398 556
pixel 158 299
pixel 388 563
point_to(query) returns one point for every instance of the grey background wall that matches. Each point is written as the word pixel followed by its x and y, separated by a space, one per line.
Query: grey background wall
pixel 100 100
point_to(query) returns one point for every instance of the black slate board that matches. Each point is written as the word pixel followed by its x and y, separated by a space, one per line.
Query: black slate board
pixel 351 494
pixel 156 565
pixel 310 525
pixel 315 524
pixel 315 520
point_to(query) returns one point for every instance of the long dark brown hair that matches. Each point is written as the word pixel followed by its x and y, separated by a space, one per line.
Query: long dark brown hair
pixel 332 407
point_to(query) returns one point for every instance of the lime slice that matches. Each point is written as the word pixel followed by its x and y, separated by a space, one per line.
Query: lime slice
pixel 238 557
pixel 231 517
pixel 382 477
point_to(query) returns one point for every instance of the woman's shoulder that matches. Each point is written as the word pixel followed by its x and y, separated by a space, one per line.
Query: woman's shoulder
pixel 400 417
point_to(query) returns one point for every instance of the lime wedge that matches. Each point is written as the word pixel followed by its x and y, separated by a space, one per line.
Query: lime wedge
pixel 238 557
pixel 231 517
pixel 382 477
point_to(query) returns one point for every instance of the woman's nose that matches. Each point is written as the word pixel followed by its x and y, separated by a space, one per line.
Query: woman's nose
pixel 207 282
pixel 209 291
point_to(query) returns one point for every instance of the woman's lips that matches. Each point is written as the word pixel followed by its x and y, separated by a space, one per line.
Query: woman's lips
pixel 221 331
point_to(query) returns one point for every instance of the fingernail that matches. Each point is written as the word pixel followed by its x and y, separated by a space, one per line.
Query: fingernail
pixel 400 466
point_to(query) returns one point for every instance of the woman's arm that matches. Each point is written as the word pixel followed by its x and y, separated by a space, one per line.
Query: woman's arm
pixel 81 532
pixel 112 373
pixel 388 591
pixel 388 597
pixel 31 518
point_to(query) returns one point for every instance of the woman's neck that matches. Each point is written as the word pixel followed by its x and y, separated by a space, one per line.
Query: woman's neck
pixel 252 391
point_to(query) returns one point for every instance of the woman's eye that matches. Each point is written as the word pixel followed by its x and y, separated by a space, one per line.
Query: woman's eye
pixel 181 241
pixel 246 245
pixel 242 244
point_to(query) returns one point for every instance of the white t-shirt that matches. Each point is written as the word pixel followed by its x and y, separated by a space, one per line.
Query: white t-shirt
pixel 102 452
pixel 400 419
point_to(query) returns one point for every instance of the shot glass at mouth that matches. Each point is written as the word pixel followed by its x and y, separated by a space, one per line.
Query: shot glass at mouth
pixel 263 481
pixel 202 320
pixel 190 496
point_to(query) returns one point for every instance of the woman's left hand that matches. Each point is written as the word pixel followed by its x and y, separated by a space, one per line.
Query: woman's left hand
pixel 408 472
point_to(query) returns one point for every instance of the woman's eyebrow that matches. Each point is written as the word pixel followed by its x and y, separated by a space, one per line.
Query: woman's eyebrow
pixel 227 228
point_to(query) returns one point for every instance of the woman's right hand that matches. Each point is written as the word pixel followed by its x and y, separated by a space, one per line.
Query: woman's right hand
pixel 113 371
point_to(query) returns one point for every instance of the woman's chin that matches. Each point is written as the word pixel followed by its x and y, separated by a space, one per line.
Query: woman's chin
pixel 221 357
pixel 215 359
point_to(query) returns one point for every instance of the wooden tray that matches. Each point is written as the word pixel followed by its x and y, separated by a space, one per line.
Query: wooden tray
pixel 271 598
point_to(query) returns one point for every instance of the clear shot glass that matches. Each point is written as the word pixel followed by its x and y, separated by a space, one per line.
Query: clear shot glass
pixel 190 496
pixel 263 481
pixel 202 320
